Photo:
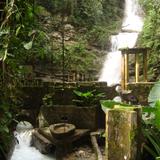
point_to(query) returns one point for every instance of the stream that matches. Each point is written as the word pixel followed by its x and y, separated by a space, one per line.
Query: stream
pixel 23 149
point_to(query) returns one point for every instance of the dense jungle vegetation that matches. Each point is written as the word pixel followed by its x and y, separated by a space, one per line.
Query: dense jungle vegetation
pixel 33 32
pixel 46 31
pixel 151 34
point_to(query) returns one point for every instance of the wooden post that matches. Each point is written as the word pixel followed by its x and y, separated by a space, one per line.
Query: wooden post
pixel 84 77
pixel 145 66
pixel 74 76
pixel 126 58
pixel 95 145
pixel 123 72
pixel 136 67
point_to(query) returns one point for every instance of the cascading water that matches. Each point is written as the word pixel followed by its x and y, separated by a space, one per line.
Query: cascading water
pixel 23 149
pixel 131 27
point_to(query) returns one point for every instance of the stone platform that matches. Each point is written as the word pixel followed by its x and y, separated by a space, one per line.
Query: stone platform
pixel 46 143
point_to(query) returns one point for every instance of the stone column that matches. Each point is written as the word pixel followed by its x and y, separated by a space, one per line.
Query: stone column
pixel 122 134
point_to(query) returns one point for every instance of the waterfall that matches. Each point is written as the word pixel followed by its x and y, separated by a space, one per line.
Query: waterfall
pixel 23 149
pixel 131 27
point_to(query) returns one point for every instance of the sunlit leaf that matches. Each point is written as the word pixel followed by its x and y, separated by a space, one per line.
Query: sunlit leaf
pixel 6 129
pixel 157 114
pixel 4 31
pixel 28 45
pixel 17 30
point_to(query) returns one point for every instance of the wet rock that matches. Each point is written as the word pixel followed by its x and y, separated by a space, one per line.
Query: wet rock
pixel 41 143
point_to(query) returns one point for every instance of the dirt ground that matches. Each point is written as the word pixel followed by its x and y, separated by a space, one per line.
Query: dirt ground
pixel 83 153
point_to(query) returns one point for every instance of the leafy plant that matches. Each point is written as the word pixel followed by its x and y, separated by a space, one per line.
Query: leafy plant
pixel 78 58
pixel 87 98
pixel 153 144
pixel 154 94
pixel 150 34
pixel 14 29
pixel 109 104
pixel 48 100
pixel 151 117
pixel 6 118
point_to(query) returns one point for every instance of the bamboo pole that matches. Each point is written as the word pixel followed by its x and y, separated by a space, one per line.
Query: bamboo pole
pixel 136 68
pixel 126 58
pixel 145 66
pixel 123 72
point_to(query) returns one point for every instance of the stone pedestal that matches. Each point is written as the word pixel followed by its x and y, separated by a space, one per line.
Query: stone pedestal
pixel 123 133
pixel 62 150
pixel 85 117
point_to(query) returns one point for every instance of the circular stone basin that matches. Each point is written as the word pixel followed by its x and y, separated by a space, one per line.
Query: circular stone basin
pixel 62 130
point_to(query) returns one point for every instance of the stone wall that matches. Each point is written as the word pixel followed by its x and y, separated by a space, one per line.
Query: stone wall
pixel 141 92
pixel 63 95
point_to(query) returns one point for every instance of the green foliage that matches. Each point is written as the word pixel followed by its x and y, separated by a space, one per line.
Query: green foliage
pixel 151 30
pixel 100 17
pixel 88 98
pixel 23 40
pixel 88 12
pixel 78 58
pixel 59 7
pixel 109 104
pixel 152 136
pixel 157 114
pixel 151 129
pixel 153 114
pixel 154 94
pixel 21 37
pixel 99 35
pixel 48 100
pixel 14 32
pixel 153 110
pixel 94 12
pixel 28 45
pixel 7 108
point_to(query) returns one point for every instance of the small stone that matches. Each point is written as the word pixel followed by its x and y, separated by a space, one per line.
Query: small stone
pixel 68 27
pixel 81 153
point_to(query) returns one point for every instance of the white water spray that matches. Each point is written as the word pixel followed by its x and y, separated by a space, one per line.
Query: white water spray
pixel 23 149
pixel 131 26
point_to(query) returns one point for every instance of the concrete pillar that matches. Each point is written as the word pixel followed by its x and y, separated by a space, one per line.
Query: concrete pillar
pixel 122 134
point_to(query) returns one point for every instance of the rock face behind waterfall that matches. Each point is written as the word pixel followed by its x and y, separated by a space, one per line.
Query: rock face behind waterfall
pixel 86 34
